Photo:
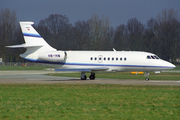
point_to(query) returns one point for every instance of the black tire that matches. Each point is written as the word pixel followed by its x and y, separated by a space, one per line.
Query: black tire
pixel 84 78
pixel 147 79
pixel 91 77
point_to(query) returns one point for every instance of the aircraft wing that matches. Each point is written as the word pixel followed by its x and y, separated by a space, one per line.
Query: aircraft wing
pixel 84 69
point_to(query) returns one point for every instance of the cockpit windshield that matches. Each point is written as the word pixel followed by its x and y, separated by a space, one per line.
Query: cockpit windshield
pixel 148 57
pixel 152 57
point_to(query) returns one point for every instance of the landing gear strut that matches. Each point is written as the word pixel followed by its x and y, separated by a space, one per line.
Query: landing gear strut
pixel 147 76
pixel 83 76
pixel 92 76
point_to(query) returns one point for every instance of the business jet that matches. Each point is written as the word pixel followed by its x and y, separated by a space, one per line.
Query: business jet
pixel 39 51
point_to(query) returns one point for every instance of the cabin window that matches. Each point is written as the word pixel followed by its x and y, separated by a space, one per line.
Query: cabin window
pixel 112 58
pixel 104 58
pixel 116 59
pixel 120 59
pixel 125 59
pixel 91 58
pixel 108 58
pixel 95 58
pixel 100 58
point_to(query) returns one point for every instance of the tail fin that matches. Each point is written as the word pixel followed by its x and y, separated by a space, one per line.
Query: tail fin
pixel 33 42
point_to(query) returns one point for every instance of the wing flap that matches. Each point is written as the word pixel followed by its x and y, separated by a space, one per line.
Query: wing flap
pixel 84 69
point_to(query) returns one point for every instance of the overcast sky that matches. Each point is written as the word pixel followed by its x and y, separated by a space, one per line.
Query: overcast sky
pixel 118 11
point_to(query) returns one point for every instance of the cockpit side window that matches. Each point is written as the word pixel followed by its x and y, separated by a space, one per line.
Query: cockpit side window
pixel 152 57
pixel 156 57
pixel 148 57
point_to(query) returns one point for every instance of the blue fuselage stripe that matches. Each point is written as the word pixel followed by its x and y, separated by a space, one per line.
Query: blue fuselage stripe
pixel 91 64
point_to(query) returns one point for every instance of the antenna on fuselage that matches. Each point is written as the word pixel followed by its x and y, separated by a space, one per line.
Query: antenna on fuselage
pixel 114 50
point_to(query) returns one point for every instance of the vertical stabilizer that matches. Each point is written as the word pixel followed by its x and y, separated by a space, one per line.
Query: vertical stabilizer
pixel 32 37
pixel 34 43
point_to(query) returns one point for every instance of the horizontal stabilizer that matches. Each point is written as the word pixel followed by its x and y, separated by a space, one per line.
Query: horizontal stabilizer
pixel 24 46
pixel 84 69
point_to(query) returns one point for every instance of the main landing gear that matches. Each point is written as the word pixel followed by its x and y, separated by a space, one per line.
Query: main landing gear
pixel 147 76
pixel 92 76
pixel 84 77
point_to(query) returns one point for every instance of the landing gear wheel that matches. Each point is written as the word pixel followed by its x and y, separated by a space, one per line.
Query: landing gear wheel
pixel 92 76
pixel 147 79
pixel 84 77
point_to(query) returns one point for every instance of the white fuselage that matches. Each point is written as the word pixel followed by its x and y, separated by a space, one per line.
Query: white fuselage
pixel 114 60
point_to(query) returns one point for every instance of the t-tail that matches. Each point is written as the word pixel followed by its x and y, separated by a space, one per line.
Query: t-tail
pixel 34 43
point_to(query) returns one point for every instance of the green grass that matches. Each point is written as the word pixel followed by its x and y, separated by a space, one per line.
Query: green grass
pixel 81 101
pixel 127 75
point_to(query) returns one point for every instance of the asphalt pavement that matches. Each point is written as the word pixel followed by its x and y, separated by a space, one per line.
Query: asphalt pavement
pixel 39 77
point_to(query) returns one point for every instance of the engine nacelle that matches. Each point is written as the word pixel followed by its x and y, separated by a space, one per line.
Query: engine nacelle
pixel 57 56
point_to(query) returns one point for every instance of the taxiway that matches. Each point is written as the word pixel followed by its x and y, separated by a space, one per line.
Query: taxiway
pixel 33 77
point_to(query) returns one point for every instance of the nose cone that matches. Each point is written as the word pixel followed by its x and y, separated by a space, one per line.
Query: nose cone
pixel 172 65
pixel 164 65
pixel 169 65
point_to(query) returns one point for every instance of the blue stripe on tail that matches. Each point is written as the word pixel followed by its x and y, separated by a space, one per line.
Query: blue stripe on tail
pixel 32 35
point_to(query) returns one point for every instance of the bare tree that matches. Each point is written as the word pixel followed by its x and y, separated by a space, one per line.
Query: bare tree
pixel 81 35
pixel 120 38
pixel 135 33
pixel 151 43
pixel 108 43
pixel 58 27
pixel 98 31
pixel 168 32
pixel 8 23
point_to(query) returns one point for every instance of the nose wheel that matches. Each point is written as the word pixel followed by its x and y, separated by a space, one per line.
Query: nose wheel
pixel 147 76
pixel 147 79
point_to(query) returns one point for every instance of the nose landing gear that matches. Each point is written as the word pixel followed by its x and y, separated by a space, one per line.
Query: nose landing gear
pixel 147 76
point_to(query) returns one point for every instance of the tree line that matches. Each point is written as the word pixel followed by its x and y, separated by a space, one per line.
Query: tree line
pixel 160 35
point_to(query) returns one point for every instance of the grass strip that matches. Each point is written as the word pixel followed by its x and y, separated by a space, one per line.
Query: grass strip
pixel 94 101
